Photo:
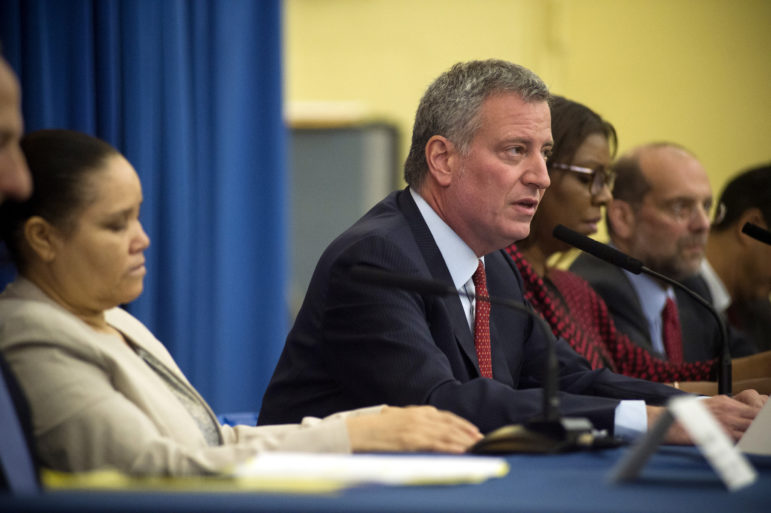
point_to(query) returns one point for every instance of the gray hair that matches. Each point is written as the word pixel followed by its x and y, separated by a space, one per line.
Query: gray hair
pixel 451 105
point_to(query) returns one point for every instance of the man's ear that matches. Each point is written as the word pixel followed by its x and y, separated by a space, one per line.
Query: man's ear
pixel 441 156
pixel 622 218
pixel 41 237
pixel 751 215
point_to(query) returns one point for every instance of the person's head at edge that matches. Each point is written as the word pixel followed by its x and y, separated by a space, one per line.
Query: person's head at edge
pixel 78 236
pixel 480 141
pixel 15 180
pixel 580 174
pixel 660 209
pixel 745 199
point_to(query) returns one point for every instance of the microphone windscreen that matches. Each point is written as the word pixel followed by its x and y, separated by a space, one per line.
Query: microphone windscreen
pixel 597 249
pixel 756 232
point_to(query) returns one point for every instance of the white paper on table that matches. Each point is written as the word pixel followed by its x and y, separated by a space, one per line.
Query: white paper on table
pixel 353 469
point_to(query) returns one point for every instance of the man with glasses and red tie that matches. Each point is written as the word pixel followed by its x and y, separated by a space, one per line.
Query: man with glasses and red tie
pixel 660 215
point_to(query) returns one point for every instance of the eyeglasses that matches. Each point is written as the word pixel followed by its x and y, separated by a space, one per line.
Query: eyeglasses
pixel 600 176
pixel 685 210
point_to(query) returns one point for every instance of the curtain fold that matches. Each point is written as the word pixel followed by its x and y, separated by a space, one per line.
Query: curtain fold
pixel 191 93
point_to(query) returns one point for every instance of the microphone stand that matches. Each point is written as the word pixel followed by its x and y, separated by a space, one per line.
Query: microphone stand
pixel 551 402
pixel 620 259
pixel 724 378
pixel 547 433
pixel 550 432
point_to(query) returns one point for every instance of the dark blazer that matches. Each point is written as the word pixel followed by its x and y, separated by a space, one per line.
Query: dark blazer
pixel 701 334
pixel 354 344
pixel 753 318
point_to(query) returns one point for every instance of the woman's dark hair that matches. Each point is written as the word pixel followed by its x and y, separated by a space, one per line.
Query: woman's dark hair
pixel 571 124
pixel 60 162
pixel 749 189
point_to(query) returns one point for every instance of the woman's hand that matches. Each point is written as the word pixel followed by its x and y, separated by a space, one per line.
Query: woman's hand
pixel 414 428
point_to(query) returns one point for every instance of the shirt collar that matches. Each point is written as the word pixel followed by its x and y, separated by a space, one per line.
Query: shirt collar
pixel 721 299
pixel 652 296
pixel 460 259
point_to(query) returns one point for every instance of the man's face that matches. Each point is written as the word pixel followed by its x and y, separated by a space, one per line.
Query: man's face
pixel 15 180
pixel 672 222
pixel 497 184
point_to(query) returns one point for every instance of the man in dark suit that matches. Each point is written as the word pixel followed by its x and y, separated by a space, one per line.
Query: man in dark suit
pixel 660 215
pixel 476 172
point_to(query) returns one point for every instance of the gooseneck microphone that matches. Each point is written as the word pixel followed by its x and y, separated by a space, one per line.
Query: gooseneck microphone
pixel 757 233
pixel 547 433
pixel 617 258
pixel 598 249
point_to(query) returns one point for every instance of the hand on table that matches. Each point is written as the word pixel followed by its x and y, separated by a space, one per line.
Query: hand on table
pixel 734 414
pixel 414 428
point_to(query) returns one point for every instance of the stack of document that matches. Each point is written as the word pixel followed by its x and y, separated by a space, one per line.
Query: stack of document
pixel 276 472
pixel 356 469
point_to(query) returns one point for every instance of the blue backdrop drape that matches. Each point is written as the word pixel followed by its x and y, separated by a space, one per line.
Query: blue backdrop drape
pixel 190 93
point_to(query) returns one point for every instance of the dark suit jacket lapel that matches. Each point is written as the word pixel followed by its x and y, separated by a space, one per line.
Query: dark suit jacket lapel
pixel 437 269
pixel 506 328
pixel 629 295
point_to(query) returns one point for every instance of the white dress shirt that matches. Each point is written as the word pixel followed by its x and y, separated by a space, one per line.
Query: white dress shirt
pixel 459 258
pixel 721 299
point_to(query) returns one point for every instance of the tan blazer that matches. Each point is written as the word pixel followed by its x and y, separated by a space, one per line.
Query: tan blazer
pixel 95 403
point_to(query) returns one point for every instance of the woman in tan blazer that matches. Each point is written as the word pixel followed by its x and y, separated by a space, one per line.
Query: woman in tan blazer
pixel 103 391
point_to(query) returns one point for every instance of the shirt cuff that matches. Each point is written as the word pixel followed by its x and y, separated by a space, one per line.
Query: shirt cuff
pixel 631 420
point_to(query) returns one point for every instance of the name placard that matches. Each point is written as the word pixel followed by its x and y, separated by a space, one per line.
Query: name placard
pixel 730 464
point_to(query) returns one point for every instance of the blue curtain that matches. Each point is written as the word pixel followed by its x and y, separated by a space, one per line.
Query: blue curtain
pixel 190 93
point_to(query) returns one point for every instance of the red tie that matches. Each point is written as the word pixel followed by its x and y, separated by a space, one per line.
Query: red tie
pixel 672 334
pixel 482 322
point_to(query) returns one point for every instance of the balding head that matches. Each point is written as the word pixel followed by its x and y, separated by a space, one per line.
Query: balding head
pixel 660 210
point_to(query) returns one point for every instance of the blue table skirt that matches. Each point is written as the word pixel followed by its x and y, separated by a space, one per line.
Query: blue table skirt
pixel 675 479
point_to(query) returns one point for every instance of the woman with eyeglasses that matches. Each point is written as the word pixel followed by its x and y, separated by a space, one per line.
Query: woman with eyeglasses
pixel 581 184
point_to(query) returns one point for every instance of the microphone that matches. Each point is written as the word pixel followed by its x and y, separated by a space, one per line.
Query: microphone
pixel 547 433
pixel 757 233
pixel 616 257
pixel 598 249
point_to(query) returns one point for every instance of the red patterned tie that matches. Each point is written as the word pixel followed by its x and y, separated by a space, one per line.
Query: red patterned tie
pixel 672 334
pixel 482 322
